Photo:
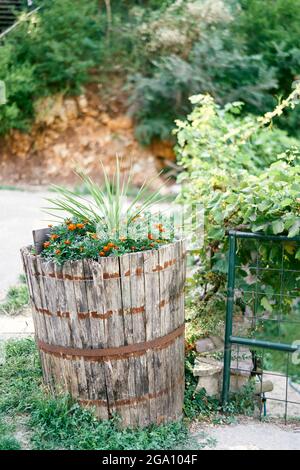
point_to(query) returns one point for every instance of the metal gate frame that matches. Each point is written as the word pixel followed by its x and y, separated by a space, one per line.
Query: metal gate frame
pixel 231 340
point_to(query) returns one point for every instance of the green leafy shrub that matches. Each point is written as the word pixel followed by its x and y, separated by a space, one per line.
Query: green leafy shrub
pixel 242 184
pixel 221 139
pixel 51 51
pixel 214 67
pixel 231 50
pixel 173 29
pixel 165 51
pixel 267 25
pixel 63 41
pixel 21 86
pixel 272 29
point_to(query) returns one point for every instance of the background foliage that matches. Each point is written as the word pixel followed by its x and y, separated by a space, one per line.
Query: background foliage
pixel 51 51
pixel 164 51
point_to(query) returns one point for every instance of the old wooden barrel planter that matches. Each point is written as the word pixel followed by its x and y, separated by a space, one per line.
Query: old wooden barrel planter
pixel 111 332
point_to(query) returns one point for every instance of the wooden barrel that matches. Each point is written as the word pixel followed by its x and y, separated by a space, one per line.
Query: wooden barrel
pixel 111 332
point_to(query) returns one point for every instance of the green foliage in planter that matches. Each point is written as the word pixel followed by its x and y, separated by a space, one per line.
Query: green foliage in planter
pixel 232 167
pixel 106 224
pixel 80 239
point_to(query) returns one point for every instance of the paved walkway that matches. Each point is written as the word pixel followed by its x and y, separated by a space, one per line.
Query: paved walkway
pixel 20 213
pixel 18 326
pixel 250 434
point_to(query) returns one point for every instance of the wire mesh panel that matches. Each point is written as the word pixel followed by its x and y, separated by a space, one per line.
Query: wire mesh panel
pixel 263 320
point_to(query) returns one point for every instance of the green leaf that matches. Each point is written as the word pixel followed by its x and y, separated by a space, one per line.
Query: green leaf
pixel 266 304
pixel 294 230
pixel 277 226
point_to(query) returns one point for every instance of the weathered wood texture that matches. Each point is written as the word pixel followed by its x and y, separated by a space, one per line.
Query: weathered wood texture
pixel 111 332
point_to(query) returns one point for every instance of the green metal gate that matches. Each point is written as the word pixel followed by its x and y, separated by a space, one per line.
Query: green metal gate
pixel 258 346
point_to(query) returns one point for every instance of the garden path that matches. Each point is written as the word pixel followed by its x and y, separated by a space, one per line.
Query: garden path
pixel 250 434
pixel 20 212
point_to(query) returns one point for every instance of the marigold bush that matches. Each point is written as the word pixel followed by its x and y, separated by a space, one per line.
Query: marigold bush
pixel 78 239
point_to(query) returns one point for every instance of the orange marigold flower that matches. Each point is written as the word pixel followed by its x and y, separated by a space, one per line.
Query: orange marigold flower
pixel 67 242
pixel 150 236
pixel 102 253
pixel 57 252
pixel 54 236
pixel 95 236
pixel 122 239
pixel 80 225
pixel 110 245
pixel 151 244
pixel 106 248
pixel 46 244
pixel 71 227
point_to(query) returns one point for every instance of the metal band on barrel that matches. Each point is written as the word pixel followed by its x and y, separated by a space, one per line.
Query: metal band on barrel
pixel 112 353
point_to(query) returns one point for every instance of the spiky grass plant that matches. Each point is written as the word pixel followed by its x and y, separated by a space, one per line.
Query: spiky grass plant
pixel 104 222
pixel 106 206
